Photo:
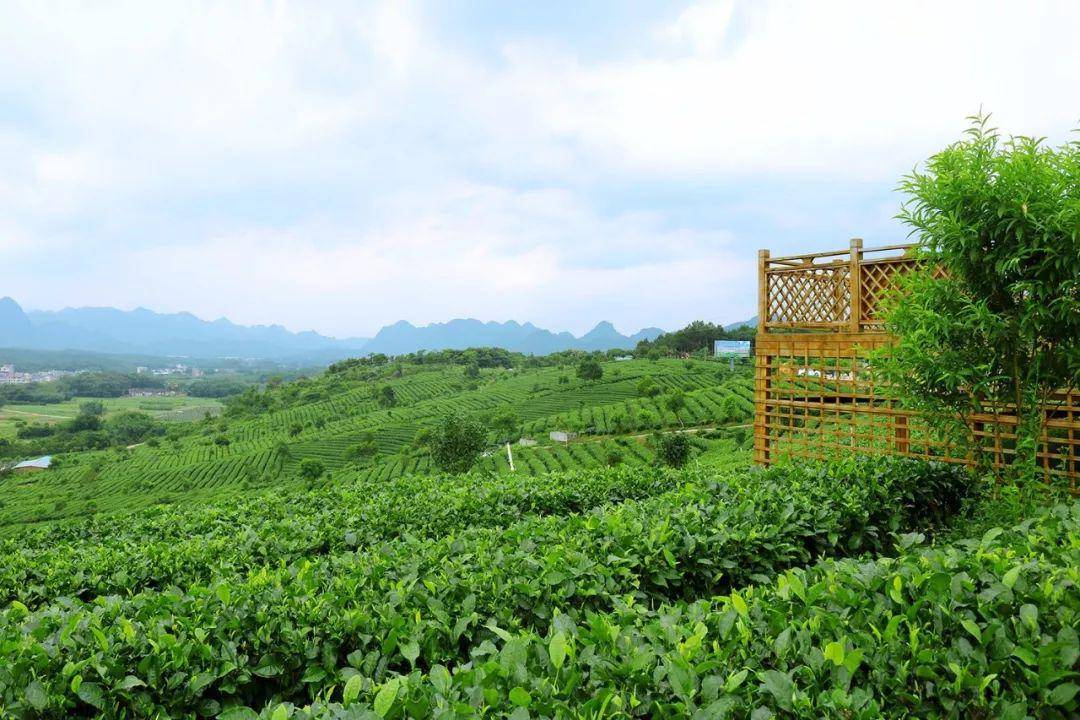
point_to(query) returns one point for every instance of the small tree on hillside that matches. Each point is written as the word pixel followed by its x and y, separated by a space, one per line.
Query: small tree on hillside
pixel 507 424
pixel 386 397
pixel 456 443
pixel 1000 331
pixel 590 370
pixel 672 449
pixel 647 387
pixel 676 403
pixel 311 469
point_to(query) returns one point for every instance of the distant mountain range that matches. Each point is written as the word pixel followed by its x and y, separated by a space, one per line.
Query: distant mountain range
pixel 403 337
pixel 752 322
pixel 146 332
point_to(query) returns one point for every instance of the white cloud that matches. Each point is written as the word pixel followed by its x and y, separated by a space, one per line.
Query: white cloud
pixel 507 256
pixel 703 26
pixel 834 89
pixel 341 166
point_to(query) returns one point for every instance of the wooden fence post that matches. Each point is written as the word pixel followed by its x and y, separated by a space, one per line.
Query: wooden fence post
pixel 856 285
pixel 761 366
pixel 901 431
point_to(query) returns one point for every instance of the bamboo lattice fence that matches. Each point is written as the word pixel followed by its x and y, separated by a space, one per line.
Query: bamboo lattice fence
pixel 815 392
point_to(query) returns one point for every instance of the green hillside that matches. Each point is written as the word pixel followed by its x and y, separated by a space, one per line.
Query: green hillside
pixel 261 439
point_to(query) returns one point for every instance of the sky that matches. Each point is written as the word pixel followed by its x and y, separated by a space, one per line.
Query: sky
pixel 339 166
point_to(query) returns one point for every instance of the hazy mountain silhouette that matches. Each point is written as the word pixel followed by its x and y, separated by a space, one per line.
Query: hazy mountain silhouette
pixel 404 337
pixel 142 331
pixel 146 332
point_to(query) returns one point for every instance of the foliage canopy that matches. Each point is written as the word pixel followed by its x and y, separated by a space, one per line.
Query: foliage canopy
pixel 992 324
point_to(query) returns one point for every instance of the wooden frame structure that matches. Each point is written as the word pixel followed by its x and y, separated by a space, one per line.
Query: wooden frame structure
pixel 815 392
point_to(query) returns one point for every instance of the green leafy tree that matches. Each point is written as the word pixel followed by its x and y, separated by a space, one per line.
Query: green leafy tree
pixel 385 396
pixel 132 427
pixel 590 370
pixel 364 450
pixel 676 403
pixel 672 448
pixel 311 469
pixel 647 387
pixel 456 442
pixel 992 325
pixel 472 371
pixel 507 423
pixel 730 409
pixel 421 439
pixel 92 407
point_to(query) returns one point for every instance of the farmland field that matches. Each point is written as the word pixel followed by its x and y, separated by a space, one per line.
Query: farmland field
pixel 167 408
pixel 209 573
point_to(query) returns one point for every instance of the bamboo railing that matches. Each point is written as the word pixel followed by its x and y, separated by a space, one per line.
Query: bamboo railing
pixel 815 392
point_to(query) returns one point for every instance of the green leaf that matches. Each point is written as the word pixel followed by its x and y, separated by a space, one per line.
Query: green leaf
pixel 239 712
pixel 36 695
pixel 972 628
pixel 1010 577
pixel 1025 655
pixel 739 604
pixel 1029 614
pixel 91 694
pixel 1063 694
pixel 440 678
pixel 557 650
pixel 835 651
pixel 130 682
pixel 352 689
pixel 735 680
pixel 852 660
pixel 281 712
pixel 780 686
pixel 384 700
pixel 223 593
pixel 410 651
pixel 520 697
pixel 682 680
pixel 669 557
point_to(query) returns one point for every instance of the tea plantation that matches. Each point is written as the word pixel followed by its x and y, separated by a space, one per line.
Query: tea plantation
pixel 213 574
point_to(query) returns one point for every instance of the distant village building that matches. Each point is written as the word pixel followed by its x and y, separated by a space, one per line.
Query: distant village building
pixel 10 376
pixel 35 465
pixel 150 392
pixel 526 442
pixel 624 358
pixel 562 435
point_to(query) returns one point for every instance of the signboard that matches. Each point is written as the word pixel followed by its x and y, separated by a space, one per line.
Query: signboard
pixel 732 348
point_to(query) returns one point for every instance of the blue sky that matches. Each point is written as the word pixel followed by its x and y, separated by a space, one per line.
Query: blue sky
pixel 340 166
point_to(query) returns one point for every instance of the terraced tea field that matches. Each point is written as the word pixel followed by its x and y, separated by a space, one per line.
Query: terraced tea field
pixel 322 418
pixel 202 575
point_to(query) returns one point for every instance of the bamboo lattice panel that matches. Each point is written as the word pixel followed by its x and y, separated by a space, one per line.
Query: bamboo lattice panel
pixel 815 391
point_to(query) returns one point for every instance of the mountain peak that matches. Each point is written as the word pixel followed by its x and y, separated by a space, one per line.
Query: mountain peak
pixel 461 333
pixel 603 326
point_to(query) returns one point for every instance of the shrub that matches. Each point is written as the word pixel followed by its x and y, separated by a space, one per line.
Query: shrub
pixel 672 448
pixel 311 469
pixel 456 443
pixel 590 370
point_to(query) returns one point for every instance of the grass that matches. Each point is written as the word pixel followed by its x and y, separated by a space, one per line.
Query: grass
pixel 170 408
